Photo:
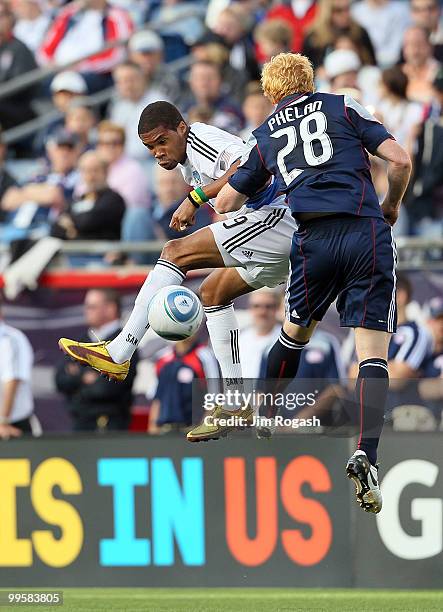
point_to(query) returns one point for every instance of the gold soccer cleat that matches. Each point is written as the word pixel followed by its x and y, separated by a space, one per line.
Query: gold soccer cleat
pixel 219 422
pixel 95 355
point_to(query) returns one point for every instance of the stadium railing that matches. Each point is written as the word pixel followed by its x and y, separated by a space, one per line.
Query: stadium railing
pixel 415 254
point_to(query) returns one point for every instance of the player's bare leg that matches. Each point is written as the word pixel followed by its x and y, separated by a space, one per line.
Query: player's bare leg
pixel 282 366
pixel 217 292
pixel 371 391
pixel 178 256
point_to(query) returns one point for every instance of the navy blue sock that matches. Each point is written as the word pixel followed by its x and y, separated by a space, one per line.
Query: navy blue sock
pixel 282 364
pixel 371 392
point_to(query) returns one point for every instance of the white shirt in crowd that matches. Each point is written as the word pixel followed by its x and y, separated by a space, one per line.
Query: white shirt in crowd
pixel 385 25
pixel 400 118
pixel 16 361
pixel 32 31
pixel 83 38
pixel 252 348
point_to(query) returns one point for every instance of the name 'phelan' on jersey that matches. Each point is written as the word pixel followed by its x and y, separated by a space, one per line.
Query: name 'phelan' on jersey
pixel 293 112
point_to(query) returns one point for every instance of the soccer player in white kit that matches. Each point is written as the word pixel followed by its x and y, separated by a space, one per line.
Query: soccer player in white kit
pixel 250 250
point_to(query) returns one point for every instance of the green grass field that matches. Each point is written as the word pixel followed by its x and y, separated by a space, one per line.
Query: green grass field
pixel 245 600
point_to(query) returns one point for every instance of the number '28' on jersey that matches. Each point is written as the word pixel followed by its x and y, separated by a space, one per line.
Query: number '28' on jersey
pixel 316 147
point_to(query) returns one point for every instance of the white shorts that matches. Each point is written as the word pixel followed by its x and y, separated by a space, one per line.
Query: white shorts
pixel 258 244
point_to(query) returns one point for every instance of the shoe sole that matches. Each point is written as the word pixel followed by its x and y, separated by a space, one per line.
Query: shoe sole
pixel 217 435
pixel 109 375
pixel 361 490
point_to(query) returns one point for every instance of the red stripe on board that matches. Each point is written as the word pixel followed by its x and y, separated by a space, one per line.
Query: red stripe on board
pixel 118 279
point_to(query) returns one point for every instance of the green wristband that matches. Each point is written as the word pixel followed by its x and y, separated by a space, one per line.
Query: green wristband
pixel 201 194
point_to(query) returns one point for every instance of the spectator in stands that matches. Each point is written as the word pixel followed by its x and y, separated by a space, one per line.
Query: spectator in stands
pixel 233 25
pixel 320 372
pixel 127 177
pixel 98 213
pixel 15 60
pixel 66 88
pixel 409 351
pixel 185 24
pixel 424 198
pixel 146 49
pixel 177 368
pixel 259 337
pixel 396 112
pixel 202 114
pixel 83 29
pixel 206 89
pixel 385 21
pixel 419 64
pixel 6 180
pixel 334 20
pixel 411 345
pixel 16 399
pixel 95 403
pixel 272 37
pixel 427 15
pixel 341 68
pixel 31 207
pixel 81 120
pixel 212 48
pixel 434 110
pixel 133 95
pixel 431 388
pixel 256 107
pixel 299 15
pixel 31 23
pixel 170 191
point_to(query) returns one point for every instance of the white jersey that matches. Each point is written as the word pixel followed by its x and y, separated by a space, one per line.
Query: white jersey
pixel 210 152
pixel 257 241
pixel 16 360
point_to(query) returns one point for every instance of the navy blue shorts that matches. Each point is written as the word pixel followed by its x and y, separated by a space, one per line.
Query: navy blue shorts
pixel 351 259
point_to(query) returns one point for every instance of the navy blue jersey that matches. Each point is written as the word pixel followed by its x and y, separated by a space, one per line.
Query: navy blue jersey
pixel 411 344
pixel 316 147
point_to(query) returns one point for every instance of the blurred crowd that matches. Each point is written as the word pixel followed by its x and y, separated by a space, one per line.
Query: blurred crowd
pixel 164 390
pixel 81 155
pixel 73 168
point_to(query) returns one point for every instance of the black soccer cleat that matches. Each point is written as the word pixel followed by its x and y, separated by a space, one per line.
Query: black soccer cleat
pixel 365 477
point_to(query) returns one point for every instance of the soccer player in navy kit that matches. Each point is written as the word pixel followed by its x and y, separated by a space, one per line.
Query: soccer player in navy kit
pixel 315 145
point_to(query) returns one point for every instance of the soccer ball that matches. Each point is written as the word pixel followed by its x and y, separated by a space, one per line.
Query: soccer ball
pixel 175 313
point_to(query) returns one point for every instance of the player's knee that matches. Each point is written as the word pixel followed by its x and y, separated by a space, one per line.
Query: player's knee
pixel 298 333
pixel 211 292
pixel 173 251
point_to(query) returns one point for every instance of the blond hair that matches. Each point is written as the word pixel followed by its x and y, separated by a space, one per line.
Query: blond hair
pixel 286 74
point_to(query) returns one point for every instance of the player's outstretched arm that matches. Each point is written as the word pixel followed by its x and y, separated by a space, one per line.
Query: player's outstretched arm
pixel 229 200
pixel 184 216
pixel 399 171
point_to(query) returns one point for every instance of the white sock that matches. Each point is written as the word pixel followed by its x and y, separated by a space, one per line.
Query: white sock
pixel 223 332
pixel 125 344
